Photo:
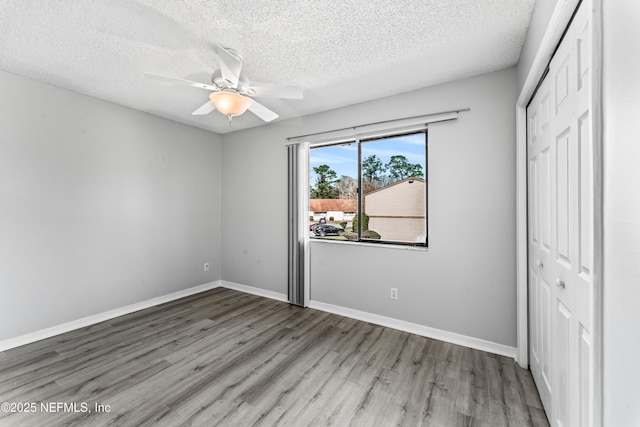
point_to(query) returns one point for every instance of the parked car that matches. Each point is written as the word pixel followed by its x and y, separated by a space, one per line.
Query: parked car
pixel 313 226
pixel 326 230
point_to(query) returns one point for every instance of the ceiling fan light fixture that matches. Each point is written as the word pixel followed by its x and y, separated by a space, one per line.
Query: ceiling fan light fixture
pixel 230 103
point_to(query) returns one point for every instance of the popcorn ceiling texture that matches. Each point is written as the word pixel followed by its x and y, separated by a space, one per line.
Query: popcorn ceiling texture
pixel 340 52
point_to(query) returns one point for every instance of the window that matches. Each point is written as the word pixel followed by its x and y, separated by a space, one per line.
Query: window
pixel 372 190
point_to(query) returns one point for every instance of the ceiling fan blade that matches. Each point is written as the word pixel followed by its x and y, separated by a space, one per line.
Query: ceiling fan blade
pixel 204 109
pixel 288 92
pixel 230 66
pixel 261 111
pixel 180 81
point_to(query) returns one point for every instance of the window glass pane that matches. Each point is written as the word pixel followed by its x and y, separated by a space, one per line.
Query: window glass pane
pixel 393 198
pixel 333 193
pixel 394 189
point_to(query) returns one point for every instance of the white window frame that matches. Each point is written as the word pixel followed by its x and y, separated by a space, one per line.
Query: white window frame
pixel 378 136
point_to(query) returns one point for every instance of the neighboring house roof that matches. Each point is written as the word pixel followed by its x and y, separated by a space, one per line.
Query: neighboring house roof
pixel 334 205
pixel 411 178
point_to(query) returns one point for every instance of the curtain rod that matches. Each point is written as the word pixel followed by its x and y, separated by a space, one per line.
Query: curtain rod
pixel 377 123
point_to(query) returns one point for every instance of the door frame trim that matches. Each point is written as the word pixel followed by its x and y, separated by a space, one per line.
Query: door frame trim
pixel 555 29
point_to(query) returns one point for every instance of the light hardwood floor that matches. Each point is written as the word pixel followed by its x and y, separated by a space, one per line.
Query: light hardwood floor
pixel 224 357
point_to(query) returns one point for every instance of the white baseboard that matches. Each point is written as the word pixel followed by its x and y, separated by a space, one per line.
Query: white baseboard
pixel 101 317
pixel 254 291
pixel 389 322
pixel 425 331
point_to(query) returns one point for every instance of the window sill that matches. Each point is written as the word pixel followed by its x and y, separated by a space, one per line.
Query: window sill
pixel 372 245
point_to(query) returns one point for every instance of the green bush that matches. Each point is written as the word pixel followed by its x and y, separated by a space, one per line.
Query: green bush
pixel 370 234
pixel 330 218
pixel 350 235
pixel 365 222
pixel 343 224
pixel 311 218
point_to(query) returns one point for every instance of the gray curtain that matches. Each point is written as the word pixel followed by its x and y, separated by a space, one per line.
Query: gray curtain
pixel 296 238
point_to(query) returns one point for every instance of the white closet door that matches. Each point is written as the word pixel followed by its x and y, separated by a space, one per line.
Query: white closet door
pixel 561 230
pixel 540 240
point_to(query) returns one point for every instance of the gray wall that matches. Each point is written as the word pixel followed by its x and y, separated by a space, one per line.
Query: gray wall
pixel 464 283
pixel 539 20
pixel 621 213
pixel 101 206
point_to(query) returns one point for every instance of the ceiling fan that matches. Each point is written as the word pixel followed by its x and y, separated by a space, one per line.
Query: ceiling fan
pixel 231 94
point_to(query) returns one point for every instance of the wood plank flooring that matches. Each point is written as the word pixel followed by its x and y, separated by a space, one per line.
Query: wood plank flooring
pixel 226 358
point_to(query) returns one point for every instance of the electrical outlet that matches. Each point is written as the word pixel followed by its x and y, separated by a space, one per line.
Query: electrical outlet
pixel 206 266
pixel 394 293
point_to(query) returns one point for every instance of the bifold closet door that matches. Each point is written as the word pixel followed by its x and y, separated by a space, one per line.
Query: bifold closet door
pixel 560 184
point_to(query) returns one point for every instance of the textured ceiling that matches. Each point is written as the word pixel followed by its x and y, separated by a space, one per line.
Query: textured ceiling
pixel 340 52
